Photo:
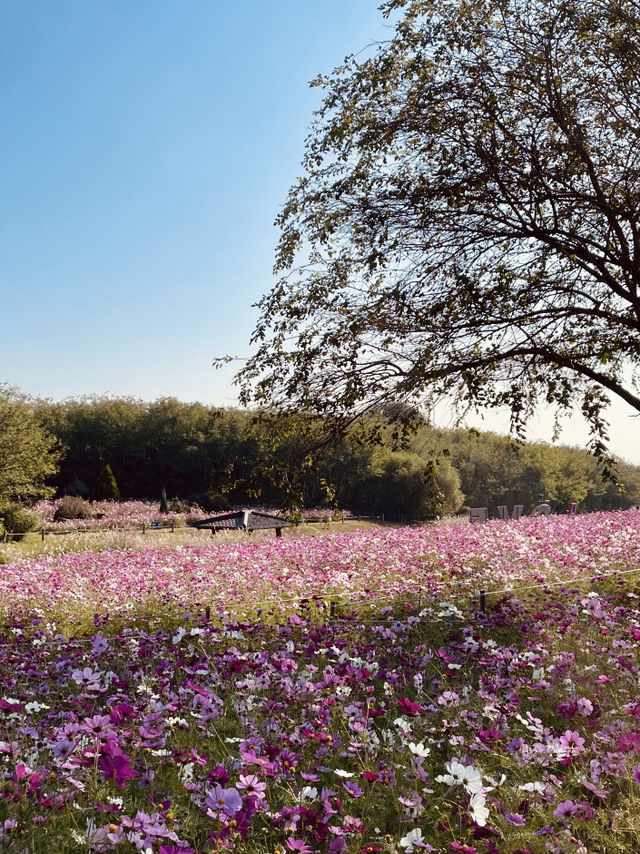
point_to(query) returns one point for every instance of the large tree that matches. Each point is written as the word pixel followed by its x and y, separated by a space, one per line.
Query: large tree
pixel 468 220
pixel 28 454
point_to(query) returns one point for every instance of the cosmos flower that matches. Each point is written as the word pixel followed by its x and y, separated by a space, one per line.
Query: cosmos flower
pixel 227 801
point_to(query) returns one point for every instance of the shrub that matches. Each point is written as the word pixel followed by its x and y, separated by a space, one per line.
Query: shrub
pixel 72 507
pixel 164 504
pixel 18 521
pixel 176 505
pixel 106 488
pixel 77 487
pixel 217 501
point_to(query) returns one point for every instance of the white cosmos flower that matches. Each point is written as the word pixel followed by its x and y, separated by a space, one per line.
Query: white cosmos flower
pixel 462 775
pixel 419 749
pixel 308 793
pixel 342 773
pixel 533 787
pixel 478 809
pixel 401 723
pixel 412 840
pixel 35 707
pixel 495 783
pixel 178 635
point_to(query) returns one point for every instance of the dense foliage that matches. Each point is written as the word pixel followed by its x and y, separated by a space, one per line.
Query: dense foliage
pixel 28 455
pixel 219 457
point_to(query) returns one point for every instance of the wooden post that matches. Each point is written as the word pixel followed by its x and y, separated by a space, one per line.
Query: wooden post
pixel 207 613
pixel 42 533
pixel 144 528
pixel 483 601
pixel 172 523
pixel 278 532
pixel 332 609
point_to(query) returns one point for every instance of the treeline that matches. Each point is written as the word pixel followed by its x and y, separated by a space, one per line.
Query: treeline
pixel 220 457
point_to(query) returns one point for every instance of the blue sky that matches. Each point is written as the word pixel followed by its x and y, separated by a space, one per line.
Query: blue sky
pixel 145 149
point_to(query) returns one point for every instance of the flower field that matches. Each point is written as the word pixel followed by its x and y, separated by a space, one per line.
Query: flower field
pixel 127 514
pixel 112 514
pixel 244 578
pixel 408 721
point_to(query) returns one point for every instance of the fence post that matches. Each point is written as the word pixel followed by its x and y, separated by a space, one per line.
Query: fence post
pixel 172 526
pixel 483 601
pixel 42 533
pixel 144 528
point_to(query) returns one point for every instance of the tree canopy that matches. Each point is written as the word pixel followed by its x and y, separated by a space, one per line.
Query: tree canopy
pixel 217 457
pixel 28 454
pixel 468 222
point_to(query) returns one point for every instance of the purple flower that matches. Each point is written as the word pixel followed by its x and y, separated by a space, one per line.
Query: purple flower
pixel 87 678
pixel 99 726
pixel 227 801
pixel 99 644
pixel 63 749
pixel 353 789
pixel 571 743
pixel 564 809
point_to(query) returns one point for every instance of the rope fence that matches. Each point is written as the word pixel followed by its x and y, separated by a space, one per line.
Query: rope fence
pixel 332 602
pixel 172 525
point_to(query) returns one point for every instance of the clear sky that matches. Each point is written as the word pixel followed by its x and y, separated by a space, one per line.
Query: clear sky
pixel 145 150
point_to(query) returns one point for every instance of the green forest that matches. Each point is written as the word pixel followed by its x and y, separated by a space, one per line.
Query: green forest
pixel 223 457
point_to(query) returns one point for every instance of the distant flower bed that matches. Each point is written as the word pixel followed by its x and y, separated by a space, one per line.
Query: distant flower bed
pixel 122 514
pixel 110 514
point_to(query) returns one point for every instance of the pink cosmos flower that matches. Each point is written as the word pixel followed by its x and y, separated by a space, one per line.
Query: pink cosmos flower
pixel 99 726
pixel 408 707
pixel 252 786
pixel 298 845
pixel 87 678
pixel 571 743
pixel 584 706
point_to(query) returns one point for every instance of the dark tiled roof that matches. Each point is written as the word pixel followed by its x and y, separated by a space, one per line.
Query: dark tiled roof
pixel 248 519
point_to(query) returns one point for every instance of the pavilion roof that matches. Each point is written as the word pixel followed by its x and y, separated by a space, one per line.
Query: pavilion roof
pixel 251 520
